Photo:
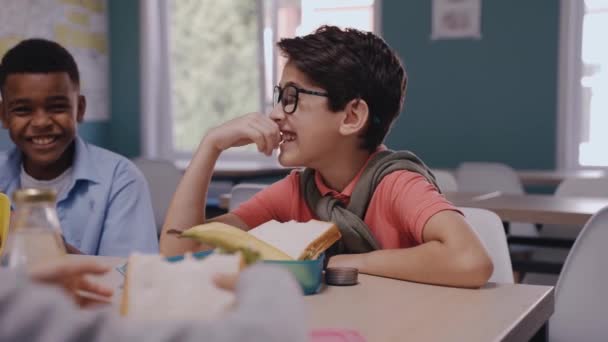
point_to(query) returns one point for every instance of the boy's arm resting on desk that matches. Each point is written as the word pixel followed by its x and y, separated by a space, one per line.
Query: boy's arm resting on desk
pixel 193 246
pixel 451 255
pixel 129 222
pixel 187 207
pixel 31 312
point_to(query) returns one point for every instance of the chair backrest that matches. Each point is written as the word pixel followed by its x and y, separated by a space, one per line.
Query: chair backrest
pixel 491 232
pixel 585 187
pixel 445 180
pixel 581 303
pixel 163 178
pixel 5 215
pixel 488 177
pixel 242 192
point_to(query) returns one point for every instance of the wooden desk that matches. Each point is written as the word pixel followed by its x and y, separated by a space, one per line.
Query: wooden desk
pixel 241 171
pixel 383 309
pixel 548 177
pixel 555 177
pixel 543 209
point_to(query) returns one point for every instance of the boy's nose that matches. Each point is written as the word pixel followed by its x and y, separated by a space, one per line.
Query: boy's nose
pixel 41 118
pixel 277 113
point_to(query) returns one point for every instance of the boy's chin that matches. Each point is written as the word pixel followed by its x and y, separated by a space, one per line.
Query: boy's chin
pixel 288 160
pixel 44 159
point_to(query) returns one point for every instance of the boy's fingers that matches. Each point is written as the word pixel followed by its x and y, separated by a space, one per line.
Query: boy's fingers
pixel 65 268
pixel 273 132
pixel 261 135
pixel 87 299
pixel 273 137
pixel 95 288
pixel 268 130
pixel 84 267
pixel 255 137
pixel 225 281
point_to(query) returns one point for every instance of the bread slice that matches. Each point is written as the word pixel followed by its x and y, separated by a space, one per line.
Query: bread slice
pixel 299 240
pixel 156 289
pixel 273 240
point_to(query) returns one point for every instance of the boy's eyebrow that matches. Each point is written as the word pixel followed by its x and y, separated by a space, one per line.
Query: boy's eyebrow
pixel 19 102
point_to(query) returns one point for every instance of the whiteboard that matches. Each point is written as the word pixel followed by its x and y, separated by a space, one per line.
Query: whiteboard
pixel 78 25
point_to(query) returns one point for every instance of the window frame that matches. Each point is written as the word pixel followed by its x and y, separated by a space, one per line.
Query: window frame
pixel 569 90
pixel 156 100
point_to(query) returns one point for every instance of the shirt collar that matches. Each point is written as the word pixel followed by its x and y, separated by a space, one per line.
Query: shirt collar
pixel 84 165
pixel 348 190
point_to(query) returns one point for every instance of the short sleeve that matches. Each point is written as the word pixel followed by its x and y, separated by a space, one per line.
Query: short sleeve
pixel 413 201
pixel 271 203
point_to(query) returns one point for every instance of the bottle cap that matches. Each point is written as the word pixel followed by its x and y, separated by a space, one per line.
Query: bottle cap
pixel 341 276
pixel 32 195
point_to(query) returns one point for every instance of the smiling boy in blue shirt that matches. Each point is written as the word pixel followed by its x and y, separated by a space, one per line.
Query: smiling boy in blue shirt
pixel 103 201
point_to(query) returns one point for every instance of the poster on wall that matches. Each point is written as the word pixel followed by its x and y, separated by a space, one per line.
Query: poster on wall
pixel 80 26
pixel 456 19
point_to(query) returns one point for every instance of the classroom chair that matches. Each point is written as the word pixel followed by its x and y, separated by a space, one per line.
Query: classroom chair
pixel 581 303
pixel 489 177
pixel 445 180
pixel 242 192
pixel 163 178
pixel 490 231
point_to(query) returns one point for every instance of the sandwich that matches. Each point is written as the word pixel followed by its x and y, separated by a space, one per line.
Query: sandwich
pixel 157 289
pixel 273 240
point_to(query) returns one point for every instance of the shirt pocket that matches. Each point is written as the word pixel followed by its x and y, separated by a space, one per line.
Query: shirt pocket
pixel 80 222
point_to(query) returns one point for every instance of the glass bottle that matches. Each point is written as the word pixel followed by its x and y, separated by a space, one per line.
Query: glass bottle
pixel 35 234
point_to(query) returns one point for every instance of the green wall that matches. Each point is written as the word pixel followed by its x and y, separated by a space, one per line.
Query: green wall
pixel 492 99
pixel 122 132
pixel 124 127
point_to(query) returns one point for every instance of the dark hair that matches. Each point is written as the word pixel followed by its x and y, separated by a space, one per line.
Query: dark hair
pixel 34 56
pixel 350 64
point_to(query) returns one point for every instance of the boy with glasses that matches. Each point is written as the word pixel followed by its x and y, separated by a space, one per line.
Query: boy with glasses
pixel 339 94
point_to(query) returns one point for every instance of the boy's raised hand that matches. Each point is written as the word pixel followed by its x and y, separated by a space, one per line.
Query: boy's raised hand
pixel 250 128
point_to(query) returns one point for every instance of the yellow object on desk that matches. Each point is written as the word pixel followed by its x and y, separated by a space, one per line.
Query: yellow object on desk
pixel 5 215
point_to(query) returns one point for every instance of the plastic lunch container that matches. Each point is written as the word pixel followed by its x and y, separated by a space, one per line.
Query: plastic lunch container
pixel 308 273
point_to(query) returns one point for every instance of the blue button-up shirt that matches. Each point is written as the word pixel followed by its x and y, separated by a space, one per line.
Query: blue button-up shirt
pixel 107 208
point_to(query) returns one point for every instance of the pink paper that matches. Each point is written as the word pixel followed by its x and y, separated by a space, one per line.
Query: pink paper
pixel 335 335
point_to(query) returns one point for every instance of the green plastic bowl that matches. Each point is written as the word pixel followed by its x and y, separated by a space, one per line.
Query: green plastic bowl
pixel 308 273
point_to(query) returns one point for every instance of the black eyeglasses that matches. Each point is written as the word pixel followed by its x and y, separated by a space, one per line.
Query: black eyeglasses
pixel 288 96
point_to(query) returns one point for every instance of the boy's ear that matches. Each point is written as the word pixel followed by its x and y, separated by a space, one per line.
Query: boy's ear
pixel 355 118
pixel 82 107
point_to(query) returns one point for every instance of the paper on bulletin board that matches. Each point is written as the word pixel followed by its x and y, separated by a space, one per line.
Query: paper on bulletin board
pixel 456 19
pixel 78 25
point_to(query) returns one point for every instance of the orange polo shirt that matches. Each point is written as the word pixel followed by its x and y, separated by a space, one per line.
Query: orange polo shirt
pixel 397 213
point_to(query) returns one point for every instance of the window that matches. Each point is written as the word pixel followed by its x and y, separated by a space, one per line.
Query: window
pixel 583 94
pixel 216 60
